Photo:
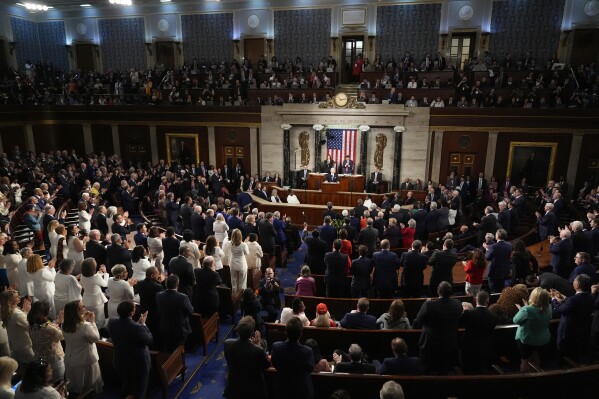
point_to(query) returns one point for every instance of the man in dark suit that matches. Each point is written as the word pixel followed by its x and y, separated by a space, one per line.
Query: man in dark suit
pixel 360 208
pixel 593 235
pixel 294 363
pixel 302 177
pixel 476 345
pixel 205 295
pixel 328 233
pixel 170 246
pixel 406 185
pixel 359 320
pixel 561 253
pixel 488 224
pixel 330 212
pixel 480 184
pixel 356 364
pixel 361 270
pixel 316 249
pixel 547 222
pixel 147 290
pixel 172 210
pixel 332 176
pixel 197 224
pixel 347 166
pixel 432 219
pixel 335 274
pixel 369 236
pixel 131 353
pixel 439 338
pixel 442 263
pixel 93 248
pixel 500 256
pixel 183 269
pixel 100 219
pixel 580 240
pixel 400 363
pixel 376 178
pixel 185 212
pixel 414 263
pixel 117 254
pixel 246 362
pixel 209 223
pixel 385 264
pixel 260 192
pixel 267 234
pixel 504 216
pixel 120 226
pixel 574 313
pixel 583 266
pixel 174 309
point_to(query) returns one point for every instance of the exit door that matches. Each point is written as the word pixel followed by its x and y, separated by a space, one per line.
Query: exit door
pixel 461 164
pixel 352 47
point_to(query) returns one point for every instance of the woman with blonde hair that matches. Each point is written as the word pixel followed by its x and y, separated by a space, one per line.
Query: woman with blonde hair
pixel 17 328
pixel 119 289
pixel 46 336
pixel 76 247
pixel 305 284
pixel 8 366
pixel 53 237
pixel 112 210
pixel 323 317
pixel 533 327
pixel 92 283
pixel 220 228
pixel 239 267
pixel 43 280
pixel 395 318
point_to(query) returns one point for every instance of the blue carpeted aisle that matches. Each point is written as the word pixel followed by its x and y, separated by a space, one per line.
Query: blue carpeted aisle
pixel 207 378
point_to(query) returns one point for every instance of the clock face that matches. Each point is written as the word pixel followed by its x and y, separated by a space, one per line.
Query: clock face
pixel 341 99
pixel 591 8
pixel 253 21
pixel 465 13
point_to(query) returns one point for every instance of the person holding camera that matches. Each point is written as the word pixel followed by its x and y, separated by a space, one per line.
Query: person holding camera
pixel 270 298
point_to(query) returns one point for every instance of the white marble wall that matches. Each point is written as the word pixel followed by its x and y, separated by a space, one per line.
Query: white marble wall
pixel 381 119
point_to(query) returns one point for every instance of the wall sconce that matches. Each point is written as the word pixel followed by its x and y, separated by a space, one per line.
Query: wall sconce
pixel 69 49
pixel 12 46
pixel 236 41
pixel 484 38
pixel 334 39
pixel 149 48
pixel 269 43
pixel 370 39
pixel 178 46
pixel 443 40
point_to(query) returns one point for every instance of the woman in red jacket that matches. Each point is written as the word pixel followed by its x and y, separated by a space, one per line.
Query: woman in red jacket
pixel 408 233
pixel 475 269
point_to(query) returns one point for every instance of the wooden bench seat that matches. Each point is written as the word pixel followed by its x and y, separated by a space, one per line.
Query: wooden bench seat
pixel 203 330
pixel 165 368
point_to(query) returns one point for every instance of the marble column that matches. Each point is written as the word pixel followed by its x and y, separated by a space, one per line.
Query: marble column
pixel 317 147
pixel 397 157
pixel 286 154
pixel 254 150
pixel 211 146
pixel 436 169
pixel 490 159
pixel 29 140
pixel 153 144
pixel 88 142
pixel 116 144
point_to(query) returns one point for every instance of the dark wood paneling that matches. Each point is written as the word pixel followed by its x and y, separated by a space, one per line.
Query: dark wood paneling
pixel 201 131
pixel 478 147
pixel 58 137
pixel 135 143
pixel 12 136
pixel 590 143
pixel 102 139
pixel 84 53
pixel 564 143
pixel 165 54
pixel 237 137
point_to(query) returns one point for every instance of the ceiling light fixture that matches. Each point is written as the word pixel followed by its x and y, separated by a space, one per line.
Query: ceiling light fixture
pixel 85 5
pixel 121 2
pixel 35 6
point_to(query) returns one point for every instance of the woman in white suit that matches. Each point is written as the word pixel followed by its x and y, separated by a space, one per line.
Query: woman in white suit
pixel 85 217
pixel 188 242
pixel 255 254
pixel 25 281
pixel 17 327
pixel 81 356
pixel 92 283
pixel 119 290
pixel 76 247
pixel 237 262
pixel 68 288
pixel 12 257
pixel 43 280
pixel 220 228
pixel 155 247
pixel 112 210
pixel 60 235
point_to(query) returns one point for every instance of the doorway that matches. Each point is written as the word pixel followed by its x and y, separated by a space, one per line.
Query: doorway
pixel 461 49
pixel 3 57
pixel 253 49
pixel 84 56
pixel 352 47
pixel 233 155
pixel 585 49
pixel 165 54
pixel 462 164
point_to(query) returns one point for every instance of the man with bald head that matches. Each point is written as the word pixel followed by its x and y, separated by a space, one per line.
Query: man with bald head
pixel 94 248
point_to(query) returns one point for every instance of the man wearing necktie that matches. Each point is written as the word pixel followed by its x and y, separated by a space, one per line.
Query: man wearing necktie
pixel 332 176
pixel 375 178
pixel 302 176
pixel 348 166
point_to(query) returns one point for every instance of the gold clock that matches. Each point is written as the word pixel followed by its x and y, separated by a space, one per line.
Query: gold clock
pixel 341 99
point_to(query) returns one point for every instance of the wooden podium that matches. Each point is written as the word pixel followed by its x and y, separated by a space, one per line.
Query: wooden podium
pixel 347 183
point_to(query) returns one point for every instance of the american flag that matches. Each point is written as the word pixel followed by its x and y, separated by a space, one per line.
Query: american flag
pixel 342 142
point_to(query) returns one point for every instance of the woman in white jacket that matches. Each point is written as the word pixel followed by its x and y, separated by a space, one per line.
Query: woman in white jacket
pixel 220 228
pixel 92 283
pixel 237 262
pixel 119 289
pixel 12 257
pixel 85 217
pixel 43 280
pixel 188 242
pixel 53 237
pixel 25 281
pixel 68 288
pixel 255 254
pixel 212 249
pixel 16 325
